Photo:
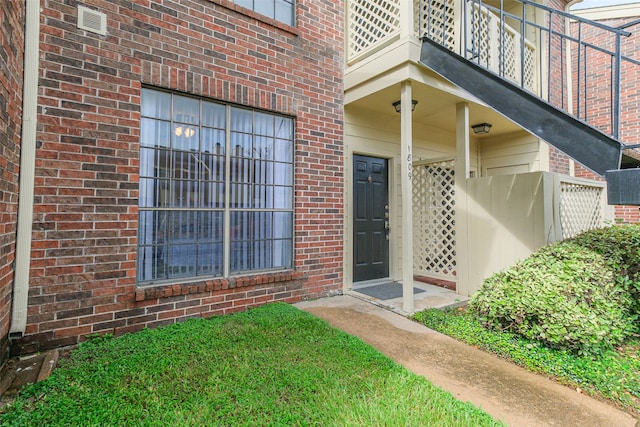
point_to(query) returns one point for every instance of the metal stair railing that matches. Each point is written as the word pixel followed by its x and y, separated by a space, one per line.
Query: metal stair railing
pixel 565 83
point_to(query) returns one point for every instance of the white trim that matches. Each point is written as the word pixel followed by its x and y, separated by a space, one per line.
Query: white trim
pixel 609 12
pixel 27 170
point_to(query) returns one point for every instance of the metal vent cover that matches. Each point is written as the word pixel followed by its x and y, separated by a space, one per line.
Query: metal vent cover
pixel 92 20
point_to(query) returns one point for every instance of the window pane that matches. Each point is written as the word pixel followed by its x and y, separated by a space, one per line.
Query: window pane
pixel 210 258
pixel 240 196
pixel 283 174
pixel 284 128
pixel 241 120
pixel 264 7
pixel 284 150
pixel 263 124
pixel 155 104
pixel 284 12
pixel 184 194
pixel 282 253
pixel 182 261
pixel 185 137
pixel 282 225
pixel 210 249
pixel 212 194
pixel 283 197
pixel 213 168
pixel 263 148
pixel 241 145
pixel 245 3
pixel 214 115
pixel 152 252
pixel 155 133
pixel 213 141
pixel 186 110
pixel 240 170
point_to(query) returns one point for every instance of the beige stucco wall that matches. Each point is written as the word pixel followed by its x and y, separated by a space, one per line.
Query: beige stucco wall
pixel 513 153
pixel 508 219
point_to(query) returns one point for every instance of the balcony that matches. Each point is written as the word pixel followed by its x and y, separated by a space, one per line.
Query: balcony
pixel 374 25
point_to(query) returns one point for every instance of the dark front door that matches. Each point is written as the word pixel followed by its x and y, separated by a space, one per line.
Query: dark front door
pixel 370 218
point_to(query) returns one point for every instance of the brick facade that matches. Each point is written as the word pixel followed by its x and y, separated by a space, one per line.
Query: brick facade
pixel 11 69
pixel 83 268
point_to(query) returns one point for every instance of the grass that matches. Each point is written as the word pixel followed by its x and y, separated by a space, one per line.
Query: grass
pixel 275 365
pixel 613 376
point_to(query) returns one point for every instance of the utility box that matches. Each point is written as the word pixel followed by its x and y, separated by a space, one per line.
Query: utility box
pixel 623 187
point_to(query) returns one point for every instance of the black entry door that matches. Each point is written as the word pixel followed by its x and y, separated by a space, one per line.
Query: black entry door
pixel 370 218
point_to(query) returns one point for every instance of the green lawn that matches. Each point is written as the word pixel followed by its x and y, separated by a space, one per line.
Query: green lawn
pixel 614 375
pixel 275 365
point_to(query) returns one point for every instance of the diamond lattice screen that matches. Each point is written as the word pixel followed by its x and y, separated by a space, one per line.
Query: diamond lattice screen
pixel 499 49
pixel 510 55
pixel 580 208
pixel 480 37
pixel 371 21
pixel 530 68
pixel 436 20
pixel 434 240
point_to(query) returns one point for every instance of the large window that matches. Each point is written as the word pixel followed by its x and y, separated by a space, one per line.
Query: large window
pixel 280 10
pixel 216 189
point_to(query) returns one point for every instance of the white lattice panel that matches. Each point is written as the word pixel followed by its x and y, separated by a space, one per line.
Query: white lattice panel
pixel 480 37
pixel 436 19
pixel 369 22
pixel 580 208
pixel 498 47
pixel 530 68
pixel 510 56
pixel 434 241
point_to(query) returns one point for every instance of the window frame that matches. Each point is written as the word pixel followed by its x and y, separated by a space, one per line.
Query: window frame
pixel 273 3
pixel 254 207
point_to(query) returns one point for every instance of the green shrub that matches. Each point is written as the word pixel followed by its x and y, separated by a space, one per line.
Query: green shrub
pixel 577 294
pixel 620 247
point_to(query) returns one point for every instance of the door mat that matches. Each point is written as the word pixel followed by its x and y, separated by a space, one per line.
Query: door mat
pixel 385 291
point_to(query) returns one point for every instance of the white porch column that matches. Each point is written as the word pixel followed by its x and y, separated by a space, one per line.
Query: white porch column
pixel 406 139
pixel 462 210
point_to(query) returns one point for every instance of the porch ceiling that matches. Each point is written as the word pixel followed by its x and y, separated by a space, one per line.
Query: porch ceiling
pixel 435 108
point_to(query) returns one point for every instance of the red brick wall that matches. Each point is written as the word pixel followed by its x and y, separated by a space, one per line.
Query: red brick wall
pixel 558 161
pixel 83 277
pixel 12 15
pixel 598 86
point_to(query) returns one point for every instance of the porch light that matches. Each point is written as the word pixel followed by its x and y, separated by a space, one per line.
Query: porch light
pixel 481 128
pixel 398 105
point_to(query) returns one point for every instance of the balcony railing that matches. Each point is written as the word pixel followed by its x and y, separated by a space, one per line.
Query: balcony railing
pixel 576 65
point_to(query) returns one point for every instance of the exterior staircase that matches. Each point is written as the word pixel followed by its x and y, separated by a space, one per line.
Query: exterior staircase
pixel 545 87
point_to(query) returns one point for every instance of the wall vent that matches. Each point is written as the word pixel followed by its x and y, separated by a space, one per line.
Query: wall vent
pixel 91 20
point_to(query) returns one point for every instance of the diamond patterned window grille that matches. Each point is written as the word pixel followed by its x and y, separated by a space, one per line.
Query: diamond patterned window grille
pixel 580 208
pixel 434 219
pixel 371 21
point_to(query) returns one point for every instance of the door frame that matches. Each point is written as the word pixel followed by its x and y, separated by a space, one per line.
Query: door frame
pixel 392 158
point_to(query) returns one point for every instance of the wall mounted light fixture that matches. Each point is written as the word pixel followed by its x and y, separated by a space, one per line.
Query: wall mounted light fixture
pixel 398 105
pixel 481 128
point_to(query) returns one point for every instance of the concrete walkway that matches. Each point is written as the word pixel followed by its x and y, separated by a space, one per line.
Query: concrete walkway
pixel 504 390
